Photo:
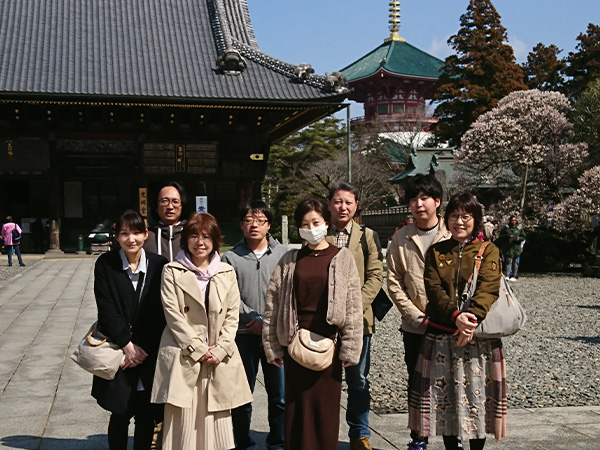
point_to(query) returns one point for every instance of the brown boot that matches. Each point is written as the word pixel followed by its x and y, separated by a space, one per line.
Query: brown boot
pixel 360 444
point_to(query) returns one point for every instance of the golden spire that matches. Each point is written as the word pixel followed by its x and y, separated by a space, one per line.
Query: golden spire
pixel 394 22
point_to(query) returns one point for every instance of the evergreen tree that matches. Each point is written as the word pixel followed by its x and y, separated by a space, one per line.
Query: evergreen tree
pixel 543 69
pixel 584 64
pixel 481 72
pixel 586 118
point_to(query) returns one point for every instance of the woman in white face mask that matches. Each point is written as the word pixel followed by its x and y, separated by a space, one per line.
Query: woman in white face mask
pixel 317 289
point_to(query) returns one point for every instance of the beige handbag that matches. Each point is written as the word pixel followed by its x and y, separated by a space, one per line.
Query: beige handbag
pixel 506 315
pixel 311 350
pixel 96 354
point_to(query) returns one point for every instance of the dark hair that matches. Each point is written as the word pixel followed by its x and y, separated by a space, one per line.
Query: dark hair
pixel 469 204
pixel 342 186
pixel 256 206
pixel 202 223
pixel 427 184
pixel 132 220
pixel 182 195
pixel 308 205
pixel 8 219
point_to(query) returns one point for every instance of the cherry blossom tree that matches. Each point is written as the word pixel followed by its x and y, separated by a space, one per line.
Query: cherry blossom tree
pixel 575 212
pixel 522 145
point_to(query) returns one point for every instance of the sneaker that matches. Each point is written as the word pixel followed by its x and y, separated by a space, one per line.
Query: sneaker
pixel 512 279
pixel 412 445
pixel 360 443
pixel 22 265
pixel 460 447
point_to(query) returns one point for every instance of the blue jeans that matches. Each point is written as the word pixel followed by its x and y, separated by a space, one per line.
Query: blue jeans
pixel 252 353
pixel 17 249
pixel 359 395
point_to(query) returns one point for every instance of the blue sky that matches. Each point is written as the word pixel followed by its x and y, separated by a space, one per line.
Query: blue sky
pixel 330 34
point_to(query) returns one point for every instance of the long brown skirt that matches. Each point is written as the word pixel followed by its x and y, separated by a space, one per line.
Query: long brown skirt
pixel 312 406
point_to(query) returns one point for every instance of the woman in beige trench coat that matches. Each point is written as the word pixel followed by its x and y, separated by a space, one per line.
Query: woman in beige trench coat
pixel 199 373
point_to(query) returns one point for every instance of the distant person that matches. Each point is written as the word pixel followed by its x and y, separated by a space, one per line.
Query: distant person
pixel 511 239
pixel 488 228
pixel 254 259
pixel 11 238
pixel 406 265
pixel 363 242
pixel 459 386
pixel 199 373
pixel 171 206
pixel 316 288
pixel 127 289
pixel 409 220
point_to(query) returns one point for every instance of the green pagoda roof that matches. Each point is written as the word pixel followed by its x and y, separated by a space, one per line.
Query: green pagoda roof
pixel 396 57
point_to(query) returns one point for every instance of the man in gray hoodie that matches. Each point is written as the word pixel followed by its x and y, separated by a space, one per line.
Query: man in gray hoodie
pixel 254 259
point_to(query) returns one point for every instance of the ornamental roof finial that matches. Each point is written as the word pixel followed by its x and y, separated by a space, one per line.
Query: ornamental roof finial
pixel 394 21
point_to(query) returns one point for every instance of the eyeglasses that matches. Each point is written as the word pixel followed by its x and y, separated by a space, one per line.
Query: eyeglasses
pixel 200 237
pixel 464 217
pixel 251 220
pixel 164 201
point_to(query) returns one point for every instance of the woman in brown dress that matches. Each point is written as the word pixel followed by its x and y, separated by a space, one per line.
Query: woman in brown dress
pixel 315 288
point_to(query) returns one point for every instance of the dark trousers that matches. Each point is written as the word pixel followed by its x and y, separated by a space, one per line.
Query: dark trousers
pixel 412 347
pixel 118 426
pixel 451 443
pixel 253 354
pixel 17 249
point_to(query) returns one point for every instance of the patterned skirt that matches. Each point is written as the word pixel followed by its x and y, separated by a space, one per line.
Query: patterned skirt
pixel 459 391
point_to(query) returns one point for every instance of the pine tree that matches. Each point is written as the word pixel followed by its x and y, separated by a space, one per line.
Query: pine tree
pixel 543 69
pixel 584 64
pixel 482 71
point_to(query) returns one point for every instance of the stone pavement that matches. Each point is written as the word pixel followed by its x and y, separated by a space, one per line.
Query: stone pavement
pixel 45 400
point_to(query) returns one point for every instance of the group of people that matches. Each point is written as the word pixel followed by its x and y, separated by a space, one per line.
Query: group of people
pixel 195 325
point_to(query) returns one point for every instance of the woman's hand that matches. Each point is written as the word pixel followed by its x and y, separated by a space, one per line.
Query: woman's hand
pixel 209 358
pixel 277 362
pixel 466 324
pixel 134 355
pixel 347 364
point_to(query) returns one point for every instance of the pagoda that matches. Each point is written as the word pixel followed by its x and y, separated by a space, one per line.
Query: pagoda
pixel 393 81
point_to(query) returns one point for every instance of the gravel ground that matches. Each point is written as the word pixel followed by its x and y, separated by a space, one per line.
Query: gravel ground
pixel 8 272
pixel 553 361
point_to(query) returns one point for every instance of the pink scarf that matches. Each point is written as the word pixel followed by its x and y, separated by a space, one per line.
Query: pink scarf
pixel 203 277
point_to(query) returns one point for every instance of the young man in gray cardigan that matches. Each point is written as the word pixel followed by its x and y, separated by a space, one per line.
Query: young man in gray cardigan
pixel 254 259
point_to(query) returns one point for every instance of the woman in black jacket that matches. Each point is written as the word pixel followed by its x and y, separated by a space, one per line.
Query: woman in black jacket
pixel 127 289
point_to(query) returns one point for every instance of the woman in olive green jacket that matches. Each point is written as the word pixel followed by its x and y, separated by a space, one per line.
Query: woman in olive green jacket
pixel 460 388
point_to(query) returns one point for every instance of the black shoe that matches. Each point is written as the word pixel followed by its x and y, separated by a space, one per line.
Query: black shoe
pixel 22 265
pixel 10 265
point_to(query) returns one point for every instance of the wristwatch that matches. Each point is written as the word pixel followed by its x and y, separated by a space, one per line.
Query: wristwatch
pixel 190 349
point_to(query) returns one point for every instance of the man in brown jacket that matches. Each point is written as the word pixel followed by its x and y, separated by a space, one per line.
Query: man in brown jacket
pixel 344 232
pixel 406 266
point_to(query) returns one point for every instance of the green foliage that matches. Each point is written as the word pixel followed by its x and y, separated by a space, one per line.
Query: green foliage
pixel 584 63
pixel 586 120
pixel 309 162
pixel 543 69
pixel 482 71
pixel 548 250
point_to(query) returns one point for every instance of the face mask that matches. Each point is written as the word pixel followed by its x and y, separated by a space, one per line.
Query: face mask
pixel 315 235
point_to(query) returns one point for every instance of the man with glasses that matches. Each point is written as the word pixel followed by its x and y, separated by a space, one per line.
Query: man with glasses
pixel 171 205
pixel 406 266
pixel 254 259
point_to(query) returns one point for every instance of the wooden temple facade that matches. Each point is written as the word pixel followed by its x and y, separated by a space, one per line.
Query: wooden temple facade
pixel 102 102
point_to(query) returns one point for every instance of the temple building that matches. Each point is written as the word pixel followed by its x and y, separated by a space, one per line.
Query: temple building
pixel 394 81
pixel 103 101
